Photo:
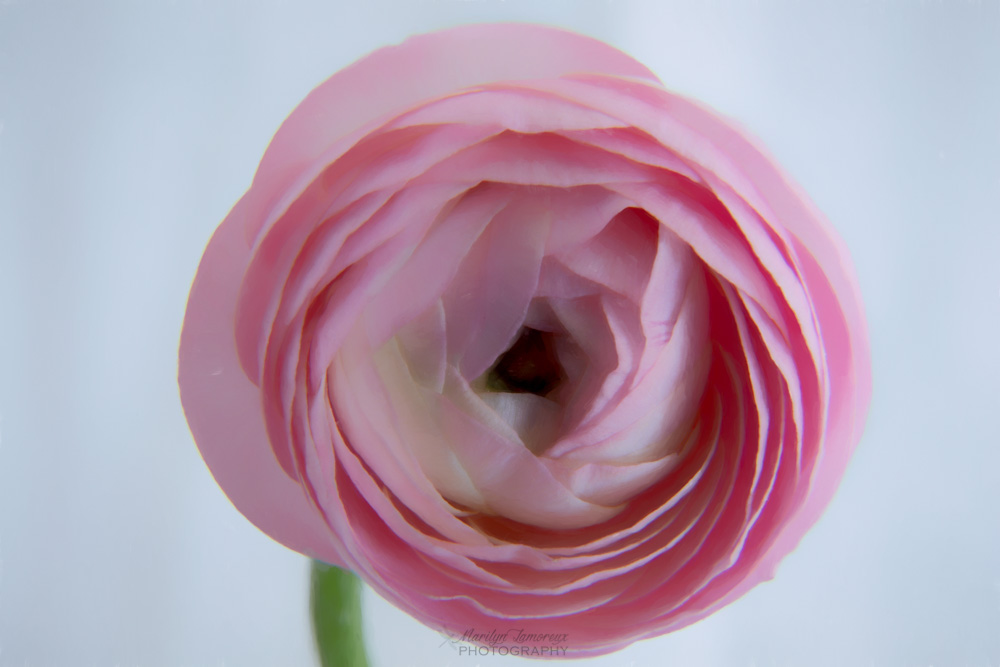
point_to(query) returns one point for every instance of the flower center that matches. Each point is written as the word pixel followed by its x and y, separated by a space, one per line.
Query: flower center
pixel 530 366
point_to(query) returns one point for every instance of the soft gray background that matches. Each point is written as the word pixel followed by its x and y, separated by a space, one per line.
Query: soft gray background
pixel 128 129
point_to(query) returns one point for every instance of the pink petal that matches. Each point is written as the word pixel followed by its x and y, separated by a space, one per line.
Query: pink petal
pixel 223 406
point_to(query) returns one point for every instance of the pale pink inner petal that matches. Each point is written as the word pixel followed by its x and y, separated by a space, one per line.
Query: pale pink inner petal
pixel 488 300
pixel 619 258
pixel 434 263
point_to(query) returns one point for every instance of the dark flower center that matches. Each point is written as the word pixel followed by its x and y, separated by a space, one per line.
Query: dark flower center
pixel 530 366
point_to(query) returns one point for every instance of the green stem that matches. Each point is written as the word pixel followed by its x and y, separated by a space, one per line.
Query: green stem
pixel 336 615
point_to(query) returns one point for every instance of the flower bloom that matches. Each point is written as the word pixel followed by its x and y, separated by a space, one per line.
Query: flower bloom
pixel 526 341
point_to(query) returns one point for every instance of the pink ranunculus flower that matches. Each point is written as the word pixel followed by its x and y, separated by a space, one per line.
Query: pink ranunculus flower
pixel 526 340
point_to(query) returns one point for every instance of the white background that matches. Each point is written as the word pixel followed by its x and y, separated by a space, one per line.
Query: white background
pixel 128 129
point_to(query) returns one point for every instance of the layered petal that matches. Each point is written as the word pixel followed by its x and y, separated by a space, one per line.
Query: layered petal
pixel 513 332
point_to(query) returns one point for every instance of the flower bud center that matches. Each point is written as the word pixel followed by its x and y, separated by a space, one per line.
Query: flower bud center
pixel 530 365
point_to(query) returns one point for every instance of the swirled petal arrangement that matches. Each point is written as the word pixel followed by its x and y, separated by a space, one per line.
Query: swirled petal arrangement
pixel 523 338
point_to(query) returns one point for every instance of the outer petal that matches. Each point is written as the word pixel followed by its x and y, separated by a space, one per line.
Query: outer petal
pixel 394 79
pixel 223 407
